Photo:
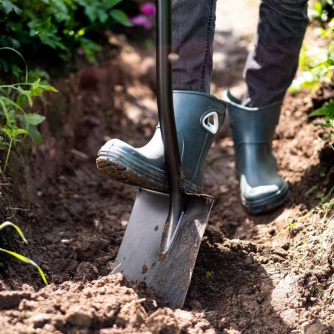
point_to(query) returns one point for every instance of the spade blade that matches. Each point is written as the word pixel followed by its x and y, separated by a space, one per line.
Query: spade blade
pixel 140 258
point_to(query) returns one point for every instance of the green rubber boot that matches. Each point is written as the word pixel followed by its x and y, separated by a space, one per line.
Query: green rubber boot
pixel 262 189
pixel 198 117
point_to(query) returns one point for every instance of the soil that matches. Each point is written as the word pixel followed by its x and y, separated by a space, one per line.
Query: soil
pixel 271 273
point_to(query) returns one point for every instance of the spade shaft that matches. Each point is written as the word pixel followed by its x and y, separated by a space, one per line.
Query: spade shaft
pixel 167 121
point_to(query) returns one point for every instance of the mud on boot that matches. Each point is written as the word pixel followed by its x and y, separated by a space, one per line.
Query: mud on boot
pixel 198 117
pixel 261 188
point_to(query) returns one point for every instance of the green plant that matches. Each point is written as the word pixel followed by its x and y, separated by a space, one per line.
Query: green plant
pixel 311 190
pixel 15 123
pixel 18 256
pixel 316 67
pixel 322 10
pixel 327 110
pixel 326 206
pixel 317 64
pixel 209 274
pixel 55 28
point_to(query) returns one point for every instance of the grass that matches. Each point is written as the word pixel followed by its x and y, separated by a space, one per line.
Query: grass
pixel 19 256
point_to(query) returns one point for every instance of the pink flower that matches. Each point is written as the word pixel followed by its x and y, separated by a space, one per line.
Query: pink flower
pixel 52 152
pixel 142 21
pixel 80 51
pixel 148 9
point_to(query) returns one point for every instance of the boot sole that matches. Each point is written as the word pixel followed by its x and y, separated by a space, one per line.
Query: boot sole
pixel 116 164
pixel 267 204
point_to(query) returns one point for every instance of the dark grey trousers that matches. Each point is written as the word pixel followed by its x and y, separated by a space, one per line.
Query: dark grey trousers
pixel 270 66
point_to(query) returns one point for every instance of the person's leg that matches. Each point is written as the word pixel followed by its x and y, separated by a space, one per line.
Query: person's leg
pixel 193 33
pixel 272 63
pixel 198 115
pixel 269 71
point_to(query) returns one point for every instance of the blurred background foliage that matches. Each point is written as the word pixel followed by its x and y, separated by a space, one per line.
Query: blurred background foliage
pixel 317 63
pixel 57 31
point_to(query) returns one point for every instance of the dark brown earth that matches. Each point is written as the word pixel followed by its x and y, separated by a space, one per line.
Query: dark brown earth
pixel 254 274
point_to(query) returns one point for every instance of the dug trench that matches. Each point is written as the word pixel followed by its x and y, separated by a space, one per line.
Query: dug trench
pixel 271 273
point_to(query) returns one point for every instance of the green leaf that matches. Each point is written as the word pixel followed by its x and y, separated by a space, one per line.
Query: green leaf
pixel 36 84
pixel 318 112
pixel 34 134
pixel 18 132
pixel 90 48
pixel 7 131
pixel 17 229
pixel 11 102
pixel 34 119
pixel 47 33
pixel 23 98
pixel 328 206
pixel 37 89
pixel 32 130
pixel 90 11
pixel 107 4
pixel 120 17
pixel 102 15
pixel 26 260
pixel 322 124
pixel 50 88
pixel 326 110
pixel 5 110
pixel 17 10
pixel 6 5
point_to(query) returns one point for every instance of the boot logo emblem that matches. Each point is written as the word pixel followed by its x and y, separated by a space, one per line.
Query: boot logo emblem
pixel 211 122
